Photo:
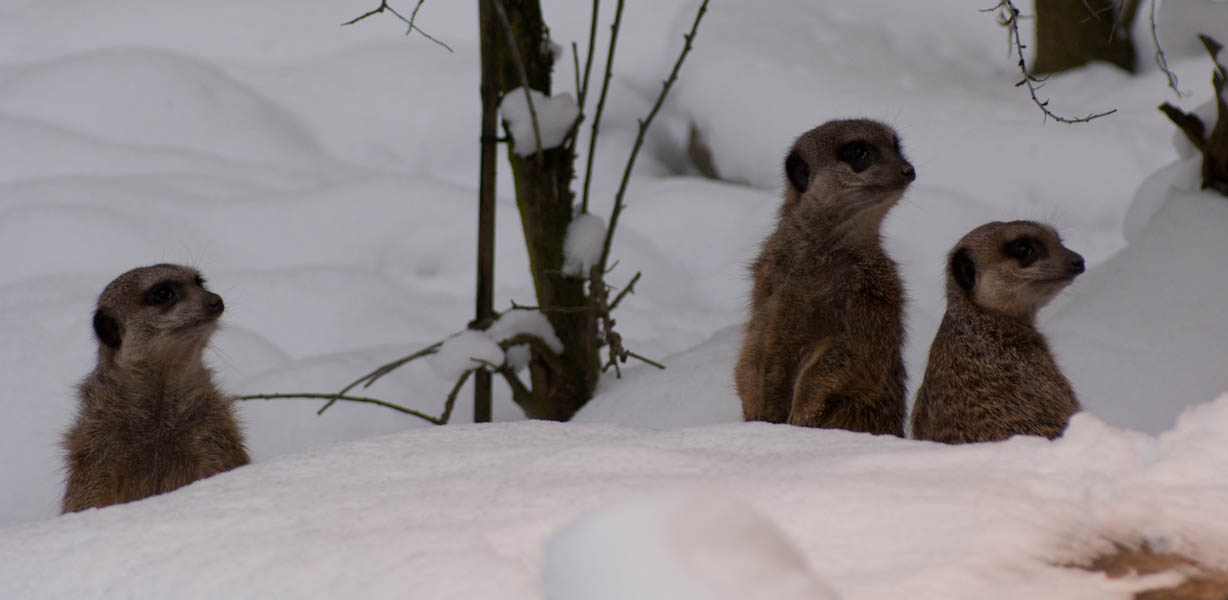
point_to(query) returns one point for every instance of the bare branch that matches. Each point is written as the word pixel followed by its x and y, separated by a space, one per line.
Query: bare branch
pixel 451 401
pixel 1008 16
pixel 645 123
pixel 383 6
pixel 628 289
pixel 524 74
pixel 373 376
pixel 582 90
pixel 1161 59
pixel 335 397
pixel 646 360
pixel 605 89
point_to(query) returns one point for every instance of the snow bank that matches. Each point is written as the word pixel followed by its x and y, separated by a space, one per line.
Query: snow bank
pixel 468 511
pixel 556 115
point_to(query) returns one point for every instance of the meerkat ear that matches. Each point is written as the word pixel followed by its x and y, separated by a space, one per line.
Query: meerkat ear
pixel 963 269
pixel 797 171
pixel 106 328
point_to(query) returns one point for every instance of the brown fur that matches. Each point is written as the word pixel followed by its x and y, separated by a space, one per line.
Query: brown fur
pixel 822 345
pixel 990 374
pixel 150 419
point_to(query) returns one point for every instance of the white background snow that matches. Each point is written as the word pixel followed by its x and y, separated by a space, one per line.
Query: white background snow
pixel 323 179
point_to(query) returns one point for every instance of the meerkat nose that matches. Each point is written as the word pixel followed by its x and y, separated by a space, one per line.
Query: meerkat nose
pixel 908 172
pixel 214 304
pixel 1076 264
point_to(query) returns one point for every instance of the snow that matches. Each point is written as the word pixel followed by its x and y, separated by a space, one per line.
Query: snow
pixel 583 244
pixel 322 178
pixel 531 322
pixel 556 115
pixel 466 351
pixel 698 547
pixel 471 512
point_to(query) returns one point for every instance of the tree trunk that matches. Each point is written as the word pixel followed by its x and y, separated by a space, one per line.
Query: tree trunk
pixel 1072 33
pixel 560 385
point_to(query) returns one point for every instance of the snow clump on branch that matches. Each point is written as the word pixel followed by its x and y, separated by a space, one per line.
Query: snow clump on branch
pixel 583 244
pixel 555 117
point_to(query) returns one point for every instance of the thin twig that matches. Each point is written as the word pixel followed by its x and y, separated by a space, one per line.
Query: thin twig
pixel 582 91
pixel 524 74
pixel 605 89
pixel 383 6
pixel 575 64
pixel 646 360
pixel 628 289
pixel 1161 59
pixel 1009 18
pixel 645 123
pixel 335 397
pixel 451 401
pixel 382 370
pixel 562 310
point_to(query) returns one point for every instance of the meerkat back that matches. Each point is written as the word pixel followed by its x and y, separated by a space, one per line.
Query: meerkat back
pixel 150 419
pixel 990 373
pixel 822 344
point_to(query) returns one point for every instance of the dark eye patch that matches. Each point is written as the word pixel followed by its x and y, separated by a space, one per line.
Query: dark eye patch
pixel 200 280
pixel 858 154
pixel 163 293
pixel 1026 249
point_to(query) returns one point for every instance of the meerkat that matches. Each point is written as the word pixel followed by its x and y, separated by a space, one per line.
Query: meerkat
pixel 822 344
pixel 150 419
pixel 990 373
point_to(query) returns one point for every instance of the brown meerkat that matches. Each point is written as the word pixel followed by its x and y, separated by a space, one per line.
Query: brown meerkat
pixel 822 345
pixel 150 419
pixel 990 373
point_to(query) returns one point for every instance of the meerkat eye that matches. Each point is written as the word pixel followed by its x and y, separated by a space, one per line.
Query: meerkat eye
pixel 1022 249
pixel 856 154
pixel 162 293
pixel 200 281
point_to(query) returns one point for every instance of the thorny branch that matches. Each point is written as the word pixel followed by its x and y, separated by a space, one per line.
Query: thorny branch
pixel 1161 59
pixel 600 293
pixel 524 74
pixel 1008 16
pixel 639 138
pixel 411 27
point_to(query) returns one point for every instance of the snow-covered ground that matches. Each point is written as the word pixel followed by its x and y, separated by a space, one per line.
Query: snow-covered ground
pixel 323 179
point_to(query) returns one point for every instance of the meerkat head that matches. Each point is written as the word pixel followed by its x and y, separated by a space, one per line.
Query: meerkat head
pixel 840 156
pixel 1012 268
pixel 161 313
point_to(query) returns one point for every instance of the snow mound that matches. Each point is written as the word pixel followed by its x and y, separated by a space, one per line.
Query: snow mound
pixel 555 117
pixel 1156 312
pixel 184 103
pixel 701 547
